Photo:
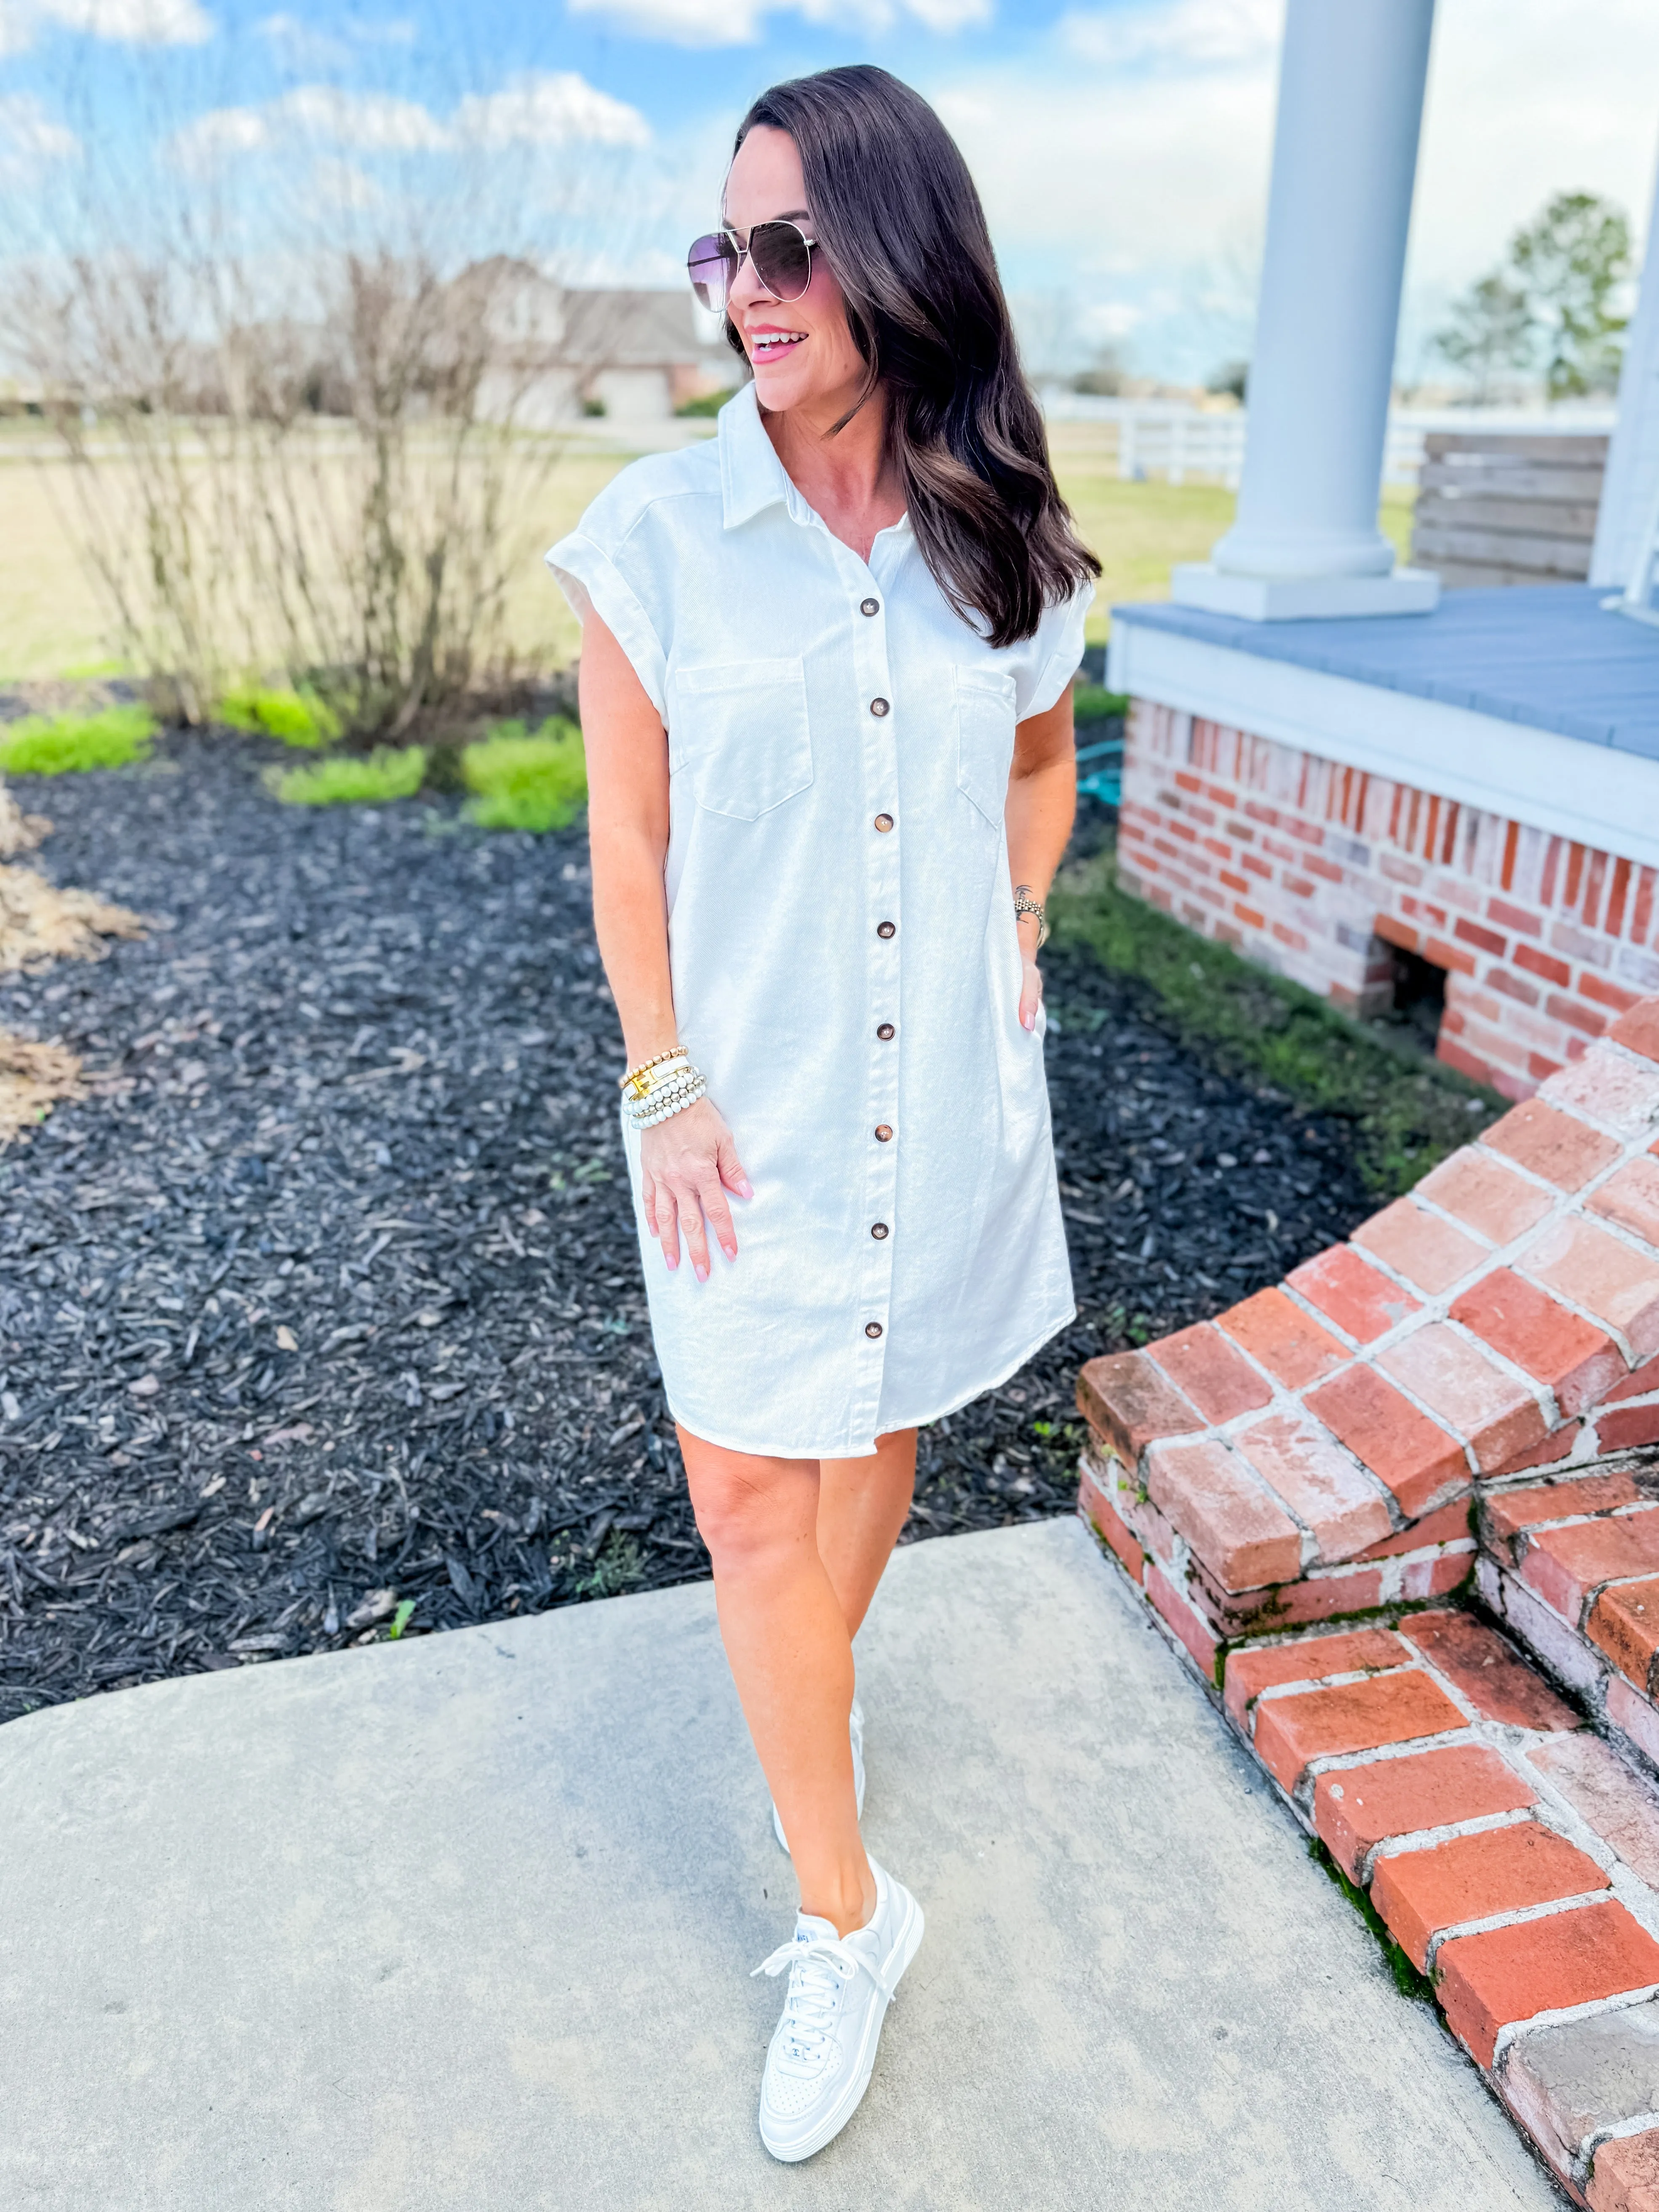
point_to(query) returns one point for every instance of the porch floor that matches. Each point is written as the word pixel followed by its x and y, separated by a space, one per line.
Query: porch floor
pixel 1549 656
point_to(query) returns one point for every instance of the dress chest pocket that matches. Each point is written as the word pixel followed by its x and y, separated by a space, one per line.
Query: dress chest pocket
pixel 740 729
pixel 985 737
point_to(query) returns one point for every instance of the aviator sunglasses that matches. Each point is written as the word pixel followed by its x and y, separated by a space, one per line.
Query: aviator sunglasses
pixel 781 254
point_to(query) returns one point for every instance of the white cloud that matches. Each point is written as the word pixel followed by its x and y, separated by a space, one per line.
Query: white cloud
pixel 741 22
pixel 301 45
pixel 343 185
pixel 370 122
pixel 30 135
pixel 131 23
pixel 1526 99
pixel 367 122
pixel 1126 179
pixel 1111 320
pixel 1180 35
pixel 550 108
pixel 1132 146
pixel 223 131
pixel 535 109
pixel 127 23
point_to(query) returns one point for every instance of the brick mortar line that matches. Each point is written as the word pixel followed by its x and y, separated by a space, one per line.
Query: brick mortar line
pixel 1448 1832
pixel 1391 1581
pixel 1325 1762
pixel 1631 1508
pixel 1276 1691
pixel 1521 1916
pixel 1629 1147
pixel 1329 1569
pixel 1541 1392
pixel 1611 1045
pixel 1580 1626
pixel 1509 1583
pixel 1591 1320
pixel 1615 2131
pixel 1606 1328
pixel 1628 1458
pixel 1287 1403
pixel 1568 1207
pixel 1512 2032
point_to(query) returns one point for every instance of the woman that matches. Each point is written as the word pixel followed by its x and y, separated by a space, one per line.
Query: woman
pixel 825 692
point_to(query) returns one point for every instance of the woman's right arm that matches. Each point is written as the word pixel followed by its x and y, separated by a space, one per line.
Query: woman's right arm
pixel 688 1162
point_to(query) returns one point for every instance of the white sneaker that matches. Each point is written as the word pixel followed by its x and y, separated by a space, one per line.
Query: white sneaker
pixel 855 1723
pixel 818 2065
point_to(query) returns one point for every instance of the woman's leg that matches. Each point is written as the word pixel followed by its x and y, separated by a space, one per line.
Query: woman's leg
pixel 791 1656
pixel 862 1505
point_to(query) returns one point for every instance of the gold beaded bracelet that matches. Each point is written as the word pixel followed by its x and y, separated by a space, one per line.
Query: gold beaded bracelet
pixel 1024 903
pixel 633 1082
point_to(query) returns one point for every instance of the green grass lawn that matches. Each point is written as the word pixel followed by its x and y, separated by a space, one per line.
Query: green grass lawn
pixel 1408 1112
pixel 55 625
pixel 1139 530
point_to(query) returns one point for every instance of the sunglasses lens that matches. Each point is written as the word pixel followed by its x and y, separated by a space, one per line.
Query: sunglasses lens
pixel 782 260
pixel 712 263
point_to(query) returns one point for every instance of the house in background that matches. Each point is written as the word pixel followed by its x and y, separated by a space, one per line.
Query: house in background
pixel 555 353
pixel 1393 793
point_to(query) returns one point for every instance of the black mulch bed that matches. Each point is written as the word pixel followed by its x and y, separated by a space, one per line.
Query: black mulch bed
pixel 331 1300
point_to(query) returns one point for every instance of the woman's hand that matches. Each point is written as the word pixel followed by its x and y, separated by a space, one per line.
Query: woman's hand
pixel 687 1164
pixel 1031 989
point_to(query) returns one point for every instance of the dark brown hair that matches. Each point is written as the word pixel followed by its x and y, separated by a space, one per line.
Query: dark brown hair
pixel 896 210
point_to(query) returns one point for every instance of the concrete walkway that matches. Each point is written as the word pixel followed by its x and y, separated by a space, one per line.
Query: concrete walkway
pixel 464 1925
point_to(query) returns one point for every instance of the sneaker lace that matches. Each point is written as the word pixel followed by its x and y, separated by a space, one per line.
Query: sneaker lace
pixel 819 1968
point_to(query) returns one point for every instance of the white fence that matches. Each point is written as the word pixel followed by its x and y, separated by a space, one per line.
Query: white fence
pixel 1179 443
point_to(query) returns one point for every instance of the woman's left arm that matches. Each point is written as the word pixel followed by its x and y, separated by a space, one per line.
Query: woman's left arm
pixel 1041 801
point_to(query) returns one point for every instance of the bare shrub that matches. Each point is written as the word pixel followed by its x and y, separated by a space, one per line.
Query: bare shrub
pixel 308 438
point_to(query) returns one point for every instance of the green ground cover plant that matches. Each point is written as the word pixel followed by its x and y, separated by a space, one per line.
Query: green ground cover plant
pixel 59 744
pixel 298 718
pixel 526 780
pixel 1408 1112
pixel 1093 703
pixel 354 780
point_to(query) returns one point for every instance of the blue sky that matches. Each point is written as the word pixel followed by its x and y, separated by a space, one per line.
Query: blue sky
pixel 1121 145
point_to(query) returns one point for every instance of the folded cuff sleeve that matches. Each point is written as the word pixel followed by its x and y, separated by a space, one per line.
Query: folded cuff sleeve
pixel 593 583
pixel 1065 625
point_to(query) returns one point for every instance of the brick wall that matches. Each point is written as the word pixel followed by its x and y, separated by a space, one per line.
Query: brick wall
pixel 1296 1488
pixel 1314 869
pixel 1314 1451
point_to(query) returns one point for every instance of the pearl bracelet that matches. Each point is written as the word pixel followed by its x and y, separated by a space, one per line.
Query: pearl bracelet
pixel 681 1080
pixel 675 1102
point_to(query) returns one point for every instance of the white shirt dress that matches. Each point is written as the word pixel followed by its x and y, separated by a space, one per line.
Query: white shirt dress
pixel 841 940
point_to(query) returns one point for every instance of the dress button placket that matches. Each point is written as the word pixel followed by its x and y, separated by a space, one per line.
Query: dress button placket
pixel 884 812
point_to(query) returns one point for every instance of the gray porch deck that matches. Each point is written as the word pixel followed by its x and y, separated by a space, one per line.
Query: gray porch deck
pixel 462 1925
pixel 1548 656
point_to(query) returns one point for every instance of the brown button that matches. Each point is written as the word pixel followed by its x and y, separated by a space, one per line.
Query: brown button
pixel 883 822
pixel 878 707
pixel 886 928
pixel 885 1031
pixel 869 607
pixel 883 1132
pixel 877 1230
pixel 873 1329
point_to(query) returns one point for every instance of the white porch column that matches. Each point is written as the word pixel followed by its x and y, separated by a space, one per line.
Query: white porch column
pixel 1344 155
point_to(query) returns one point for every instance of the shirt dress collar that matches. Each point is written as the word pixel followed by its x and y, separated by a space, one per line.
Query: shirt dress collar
pixel 753 478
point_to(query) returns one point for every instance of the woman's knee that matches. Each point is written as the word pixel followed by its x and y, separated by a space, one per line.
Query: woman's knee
pixel 747 1508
